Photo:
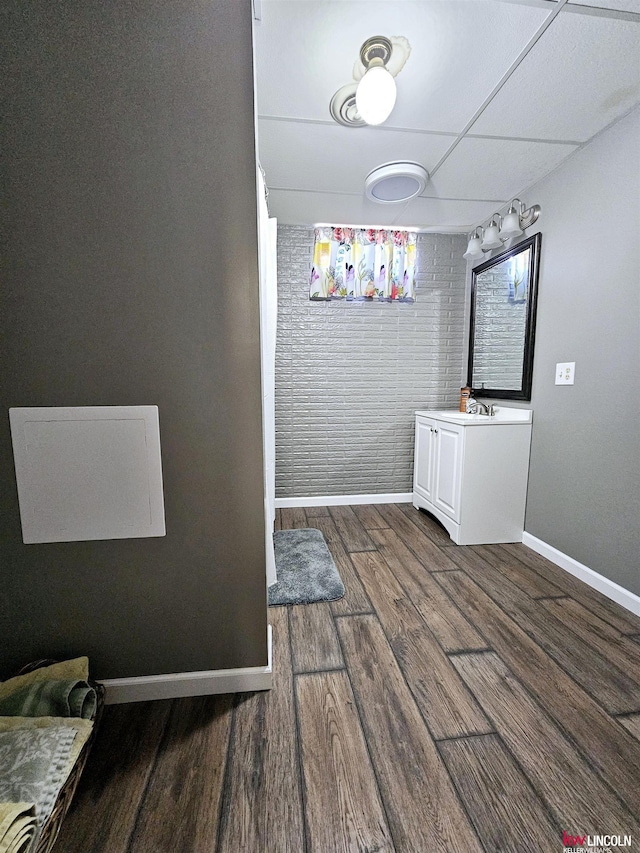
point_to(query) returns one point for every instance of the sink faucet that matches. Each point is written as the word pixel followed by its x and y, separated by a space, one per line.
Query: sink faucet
pixel 479 408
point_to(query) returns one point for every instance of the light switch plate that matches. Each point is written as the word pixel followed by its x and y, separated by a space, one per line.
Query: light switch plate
pixel 565 372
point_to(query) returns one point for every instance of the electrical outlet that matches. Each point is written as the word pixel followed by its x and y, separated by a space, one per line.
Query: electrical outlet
pixel 565 373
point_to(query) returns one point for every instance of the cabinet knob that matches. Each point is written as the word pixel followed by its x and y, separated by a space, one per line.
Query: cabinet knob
pixel 435 430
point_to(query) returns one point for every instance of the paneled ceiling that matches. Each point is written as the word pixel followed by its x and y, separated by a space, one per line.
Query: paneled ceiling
pixel 495 94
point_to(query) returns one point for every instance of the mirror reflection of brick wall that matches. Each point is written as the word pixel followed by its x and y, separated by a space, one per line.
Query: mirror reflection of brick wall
pixel 499 331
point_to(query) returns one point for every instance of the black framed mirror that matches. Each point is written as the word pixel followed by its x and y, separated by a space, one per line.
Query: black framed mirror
pixel 504 292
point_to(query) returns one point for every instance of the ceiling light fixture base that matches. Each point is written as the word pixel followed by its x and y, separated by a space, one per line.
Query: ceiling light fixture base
pixel 528 217
pixel 400 52
pixel 343 107
pixel 376 50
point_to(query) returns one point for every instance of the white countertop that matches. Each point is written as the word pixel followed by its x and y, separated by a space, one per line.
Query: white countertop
pixel 503 415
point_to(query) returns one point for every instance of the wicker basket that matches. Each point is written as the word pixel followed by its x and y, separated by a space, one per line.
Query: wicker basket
pixel 52 827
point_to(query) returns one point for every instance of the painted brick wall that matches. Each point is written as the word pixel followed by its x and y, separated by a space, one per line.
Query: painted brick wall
pixel 349 375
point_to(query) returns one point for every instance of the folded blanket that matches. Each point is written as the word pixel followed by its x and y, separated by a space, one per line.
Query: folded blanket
pixel 17 827
pixel 51 699
pixel 32 768
pixel 78 668
pixel 82 728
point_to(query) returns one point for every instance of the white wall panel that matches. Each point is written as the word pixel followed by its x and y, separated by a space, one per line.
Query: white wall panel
pixel 88 472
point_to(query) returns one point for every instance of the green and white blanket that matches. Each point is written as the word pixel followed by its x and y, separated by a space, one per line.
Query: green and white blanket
pixel 71 698
pixel 33 768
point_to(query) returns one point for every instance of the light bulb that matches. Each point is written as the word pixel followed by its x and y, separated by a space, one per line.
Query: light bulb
pixel 510 225
pixel 491 237
pixel 473 249
pixel 376 95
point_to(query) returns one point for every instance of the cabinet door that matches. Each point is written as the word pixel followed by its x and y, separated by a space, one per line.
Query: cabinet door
pixel 449 447
pixel 423 461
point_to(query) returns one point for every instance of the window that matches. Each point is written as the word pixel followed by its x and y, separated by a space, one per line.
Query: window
pixel 364 264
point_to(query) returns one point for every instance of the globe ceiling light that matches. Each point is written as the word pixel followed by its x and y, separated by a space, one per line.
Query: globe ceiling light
pixel 372 96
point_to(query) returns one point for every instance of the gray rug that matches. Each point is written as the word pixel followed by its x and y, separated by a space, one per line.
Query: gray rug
pixel 305 568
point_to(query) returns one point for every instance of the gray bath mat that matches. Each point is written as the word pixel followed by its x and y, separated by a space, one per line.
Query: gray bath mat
pixel 305 568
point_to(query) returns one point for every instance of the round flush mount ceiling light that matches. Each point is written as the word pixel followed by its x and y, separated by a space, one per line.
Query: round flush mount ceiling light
pixel 394 182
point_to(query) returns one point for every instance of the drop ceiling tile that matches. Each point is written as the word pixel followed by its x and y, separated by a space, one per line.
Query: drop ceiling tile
pixel 305 51
pixel 337 159
pixel 494 168
pixel 303 208
pixel 443 214
pixel 307 208
pixel 619 5
pixel 582 75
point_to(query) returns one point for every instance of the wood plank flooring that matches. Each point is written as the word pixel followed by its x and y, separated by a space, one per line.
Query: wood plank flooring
pixel 456 699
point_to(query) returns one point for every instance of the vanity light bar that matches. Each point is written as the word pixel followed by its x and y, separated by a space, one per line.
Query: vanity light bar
pixel 514 222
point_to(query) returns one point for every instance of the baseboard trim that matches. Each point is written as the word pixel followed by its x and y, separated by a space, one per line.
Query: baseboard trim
pixel 180 684
pixel 342 500
pixel 611 589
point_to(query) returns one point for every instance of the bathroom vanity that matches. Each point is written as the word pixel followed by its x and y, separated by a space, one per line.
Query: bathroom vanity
pixel 471 471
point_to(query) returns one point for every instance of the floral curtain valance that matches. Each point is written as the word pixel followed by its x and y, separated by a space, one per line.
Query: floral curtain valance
pixel 364 264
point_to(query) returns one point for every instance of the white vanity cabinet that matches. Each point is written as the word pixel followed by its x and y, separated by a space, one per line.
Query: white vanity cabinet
pixel 470 472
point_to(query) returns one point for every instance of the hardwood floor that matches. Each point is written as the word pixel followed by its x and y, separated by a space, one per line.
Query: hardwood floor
pixel 456 699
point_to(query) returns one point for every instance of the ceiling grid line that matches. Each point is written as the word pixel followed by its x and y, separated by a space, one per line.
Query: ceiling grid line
pixel 518 60
pixel 601 12
pixel 579 9
pixel 358 195
pixel 396 129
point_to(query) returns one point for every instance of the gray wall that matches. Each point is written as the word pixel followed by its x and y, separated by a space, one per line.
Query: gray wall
pixel 349 375
pixel 130 277
pixel 584 483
